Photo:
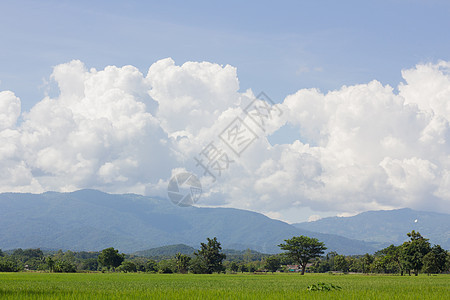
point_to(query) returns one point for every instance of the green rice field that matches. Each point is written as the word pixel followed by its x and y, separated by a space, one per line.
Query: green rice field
pixel 30 285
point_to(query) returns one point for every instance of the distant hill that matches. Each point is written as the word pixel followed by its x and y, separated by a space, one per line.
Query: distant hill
pixel 166 251
pixel 171 250
pixel 386 227
pixel 93 220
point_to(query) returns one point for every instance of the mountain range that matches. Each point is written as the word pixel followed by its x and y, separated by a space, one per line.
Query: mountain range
pixel 386 226
pixel 92 220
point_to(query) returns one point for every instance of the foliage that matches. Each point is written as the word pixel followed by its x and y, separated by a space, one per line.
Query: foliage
pixel 234 267
pixel 110 258
pixel 198 266
pixel 435 260
pixel 151 266
pixel 50 263
pixel 273 263
pixel 366 261
pixel 341 263
pixel 414 250
pixel 127 266
pixel 211 255
pixel 182 262
pixel 10 265
pixel 167 266
pixel 62 266
pixel 302 249
pixel 243 268
pixel 389 260
pixel 89 264
pixel 321 286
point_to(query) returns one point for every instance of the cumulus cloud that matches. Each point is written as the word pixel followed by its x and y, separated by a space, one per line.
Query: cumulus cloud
pixel 357 148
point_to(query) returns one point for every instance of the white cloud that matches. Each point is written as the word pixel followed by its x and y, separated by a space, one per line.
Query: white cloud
pixel 313 218
pixel 9 110
pixel 360 147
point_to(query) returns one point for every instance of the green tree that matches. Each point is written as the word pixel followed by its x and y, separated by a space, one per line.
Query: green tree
pixel 394 258
pixel 198 265
pixel 166 266
pixel 234 267
pixel 366 261
pixel 243 268
pixel 127 267
pixel 320 265
pixel 50 263
pixel 251 268
pixel 447 264
pixel 273 263
pixel 212 256
pixel 33 253
pixel 151 266
pixel 111 258
pixel 182 262
pixel 340 263
pixel 302 249
pixel 414 250
pixel 62 266
pixel 9 264
pixel 90 264
pixel 435 260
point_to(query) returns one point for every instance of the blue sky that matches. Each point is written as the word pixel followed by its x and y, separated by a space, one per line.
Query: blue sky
pixel 278 47
pixel 361 147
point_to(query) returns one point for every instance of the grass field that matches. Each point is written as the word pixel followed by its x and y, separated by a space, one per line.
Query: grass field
pixel 230 286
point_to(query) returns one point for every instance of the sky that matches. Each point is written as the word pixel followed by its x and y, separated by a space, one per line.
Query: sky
pixel 121 95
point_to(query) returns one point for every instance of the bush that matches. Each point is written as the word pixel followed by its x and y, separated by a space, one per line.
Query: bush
pixel 62 266
pixel 323 287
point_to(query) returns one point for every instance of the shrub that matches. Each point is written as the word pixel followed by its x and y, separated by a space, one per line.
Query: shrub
pixel 321 286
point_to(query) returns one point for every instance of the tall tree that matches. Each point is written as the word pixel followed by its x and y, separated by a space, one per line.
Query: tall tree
pixel 366 261
pixel 302 249
pixel 151 266
pixel 110 257
pixel 182 262
pixel 234 267
pixel 212 256
pixel 273 263
pixel 340 263
pixel 394 257
pixel 435 260
pixel 414 250
pixel 50 263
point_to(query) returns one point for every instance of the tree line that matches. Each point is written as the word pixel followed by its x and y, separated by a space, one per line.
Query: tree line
pixel 415 255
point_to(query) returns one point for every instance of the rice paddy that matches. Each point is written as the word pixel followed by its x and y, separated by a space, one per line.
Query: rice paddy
pixel 28 285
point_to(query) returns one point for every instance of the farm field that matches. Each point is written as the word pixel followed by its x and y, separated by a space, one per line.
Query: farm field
pixel 229 286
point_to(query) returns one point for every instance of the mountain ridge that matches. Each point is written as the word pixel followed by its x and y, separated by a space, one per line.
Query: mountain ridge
pixel 91 220
pixel 385 227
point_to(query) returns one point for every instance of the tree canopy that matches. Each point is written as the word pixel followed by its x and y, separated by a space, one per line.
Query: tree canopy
pixel 110 257
pixel 210 254
pixel 302 249
pixel 414 251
